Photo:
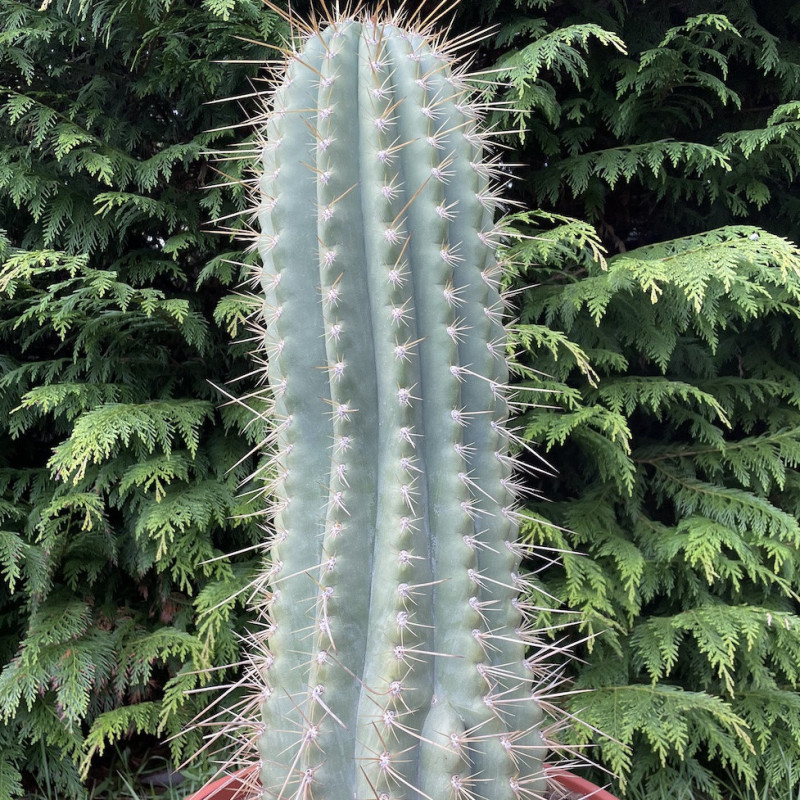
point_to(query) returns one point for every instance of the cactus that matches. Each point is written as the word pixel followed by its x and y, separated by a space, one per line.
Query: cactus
pixel 391 661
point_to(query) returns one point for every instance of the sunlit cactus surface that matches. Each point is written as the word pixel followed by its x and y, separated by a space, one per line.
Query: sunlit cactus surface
pixel 391 662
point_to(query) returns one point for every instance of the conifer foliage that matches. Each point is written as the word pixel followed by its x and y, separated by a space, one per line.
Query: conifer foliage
pixel 673 426
pixel 119 472
pixel 670 372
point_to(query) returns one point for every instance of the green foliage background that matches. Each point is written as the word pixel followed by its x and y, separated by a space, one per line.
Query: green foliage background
pixel 665 132
pixel 119 465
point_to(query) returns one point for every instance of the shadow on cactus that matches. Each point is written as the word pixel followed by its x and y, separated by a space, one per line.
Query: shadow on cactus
pixel 390 658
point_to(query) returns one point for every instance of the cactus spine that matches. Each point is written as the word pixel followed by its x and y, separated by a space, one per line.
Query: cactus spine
pixel 392 659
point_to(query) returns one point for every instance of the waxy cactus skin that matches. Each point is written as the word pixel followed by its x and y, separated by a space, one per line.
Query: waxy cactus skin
pixel 392 663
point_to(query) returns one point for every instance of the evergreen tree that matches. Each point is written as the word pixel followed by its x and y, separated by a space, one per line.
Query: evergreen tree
pixel 672 426
pixel 688 121
pixel 120 470
pixel 671 371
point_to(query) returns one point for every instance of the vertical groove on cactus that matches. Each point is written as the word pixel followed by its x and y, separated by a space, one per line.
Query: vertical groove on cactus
pixel 391 664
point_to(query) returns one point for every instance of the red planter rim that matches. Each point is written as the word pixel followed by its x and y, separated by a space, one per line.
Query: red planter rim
pixel 242 785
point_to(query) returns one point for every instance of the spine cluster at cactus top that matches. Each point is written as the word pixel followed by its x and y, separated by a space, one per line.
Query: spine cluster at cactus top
pixel 392 659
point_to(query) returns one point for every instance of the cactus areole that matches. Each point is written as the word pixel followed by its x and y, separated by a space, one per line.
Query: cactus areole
pixel 392 659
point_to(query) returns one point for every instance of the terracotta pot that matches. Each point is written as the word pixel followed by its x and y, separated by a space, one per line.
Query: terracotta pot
pixel 580 787
pixel 241 785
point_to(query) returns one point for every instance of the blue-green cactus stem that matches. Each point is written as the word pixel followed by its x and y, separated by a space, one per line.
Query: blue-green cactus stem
pixel 395 669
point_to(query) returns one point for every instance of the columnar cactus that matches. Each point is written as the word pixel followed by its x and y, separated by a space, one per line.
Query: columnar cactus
pixel 392 660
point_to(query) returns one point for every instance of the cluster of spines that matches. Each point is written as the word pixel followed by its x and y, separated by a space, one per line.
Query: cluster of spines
pixel 413 645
